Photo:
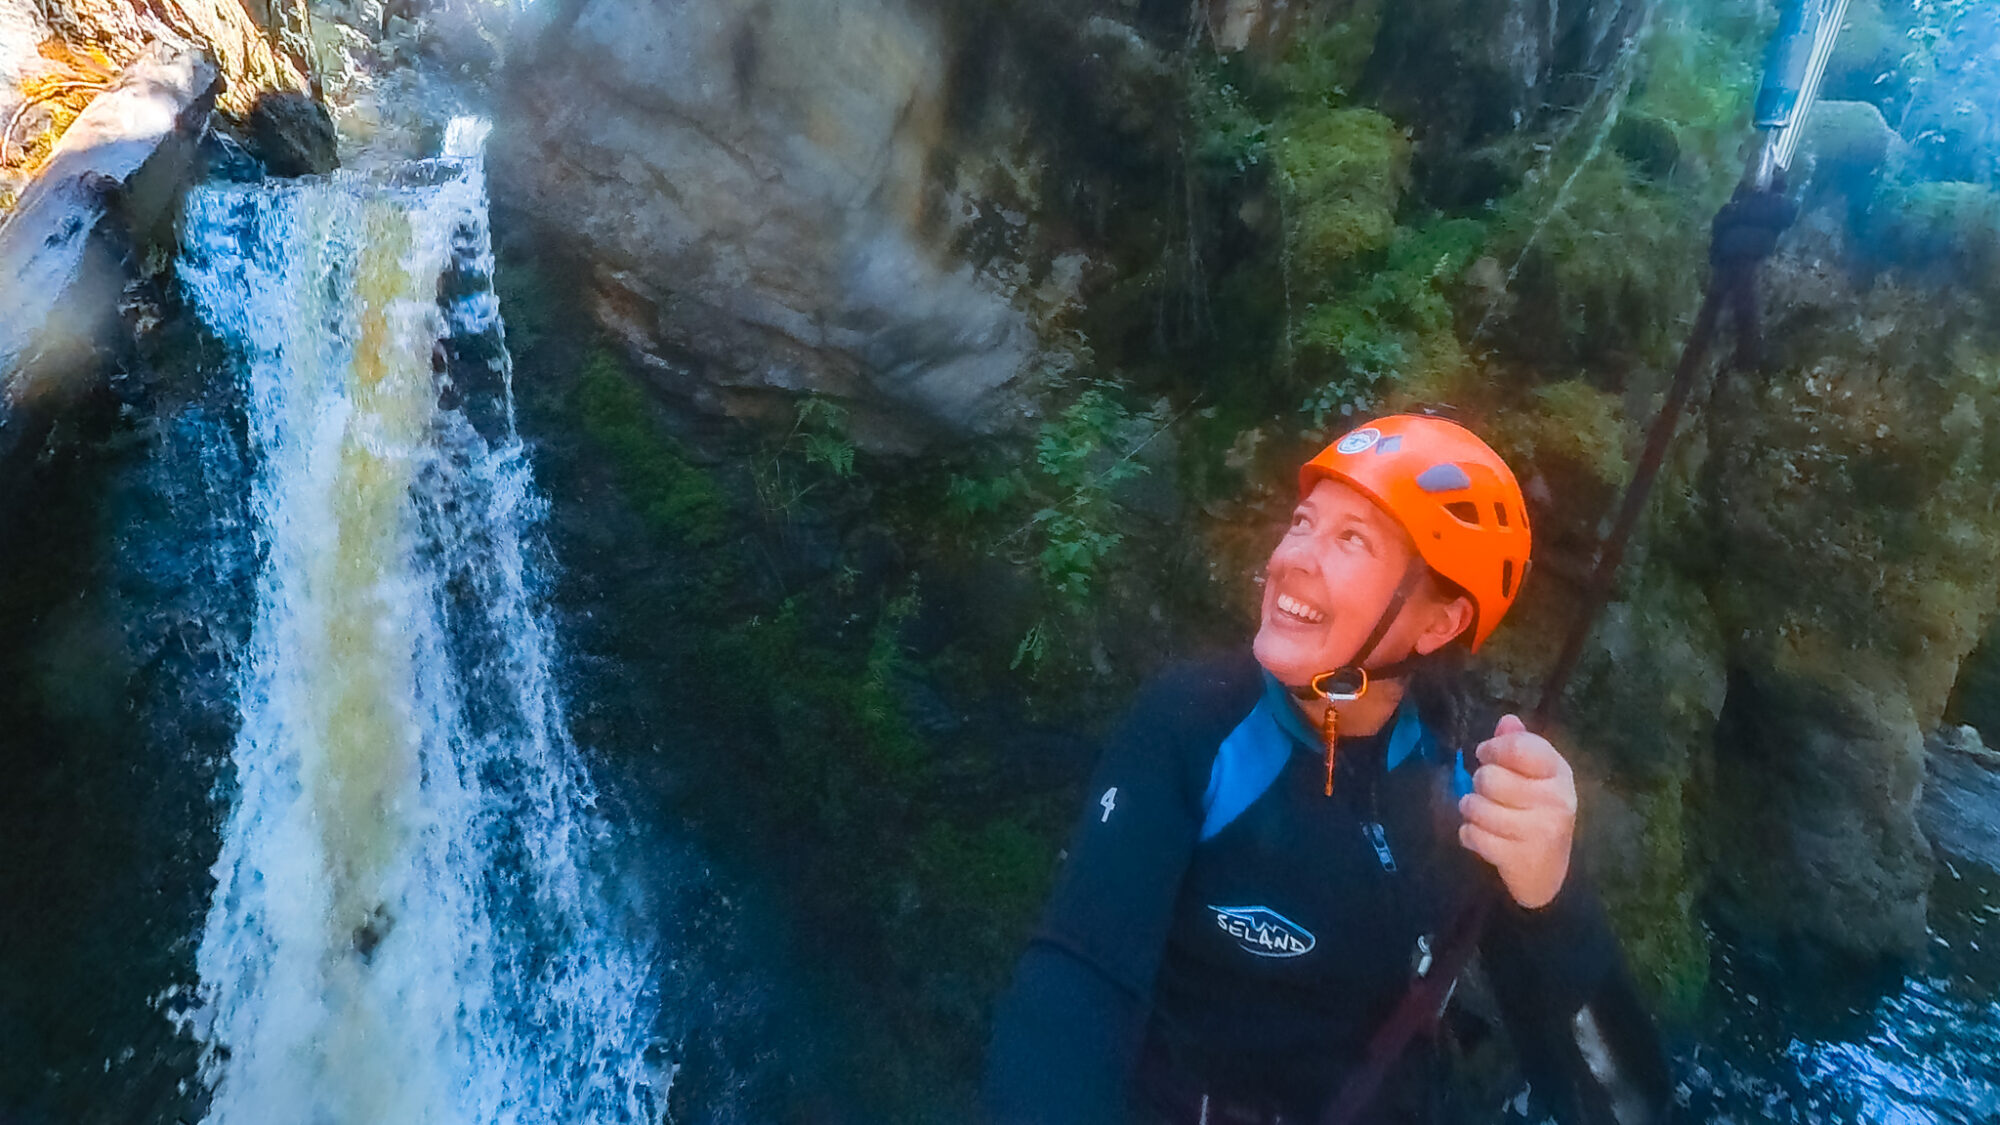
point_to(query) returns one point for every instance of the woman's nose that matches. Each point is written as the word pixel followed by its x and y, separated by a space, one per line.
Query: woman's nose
pixel 1295 550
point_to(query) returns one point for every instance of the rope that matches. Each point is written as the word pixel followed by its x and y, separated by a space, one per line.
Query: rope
pixel 1744 233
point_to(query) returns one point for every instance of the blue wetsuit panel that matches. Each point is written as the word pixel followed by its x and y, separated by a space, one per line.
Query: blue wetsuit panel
pixel 1253 754
pixel 1246 764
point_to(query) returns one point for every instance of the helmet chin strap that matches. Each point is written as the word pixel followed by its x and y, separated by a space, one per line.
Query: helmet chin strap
pixel 1349 683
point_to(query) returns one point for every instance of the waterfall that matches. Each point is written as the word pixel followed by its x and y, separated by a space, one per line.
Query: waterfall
pixel 411 920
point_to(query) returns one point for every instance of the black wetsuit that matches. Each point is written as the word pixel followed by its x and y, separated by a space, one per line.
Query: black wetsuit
pixel 1221 916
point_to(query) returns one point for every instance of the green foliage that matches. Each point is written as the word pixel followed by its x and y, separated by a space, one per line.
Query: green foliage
pixel 1234 102
pixel 813 453
pixel 1700 71
pixel 1607 248
pixel 1069 499
pixel 1327 57
pixel 1082 456
pixel 839 742
pixel 1342 171
pixel 675 497
pixel 1230 137
pixel 1947 63
pixel 1394 314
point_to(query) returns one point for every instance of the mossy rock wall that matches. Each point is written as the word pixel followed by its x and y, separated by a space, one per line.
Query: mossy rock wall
pixel 1226 258
pixel 1851 487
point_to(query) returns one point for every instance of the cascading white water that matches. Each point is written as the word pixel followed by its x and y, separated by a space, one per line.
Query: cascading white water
pixel 408 924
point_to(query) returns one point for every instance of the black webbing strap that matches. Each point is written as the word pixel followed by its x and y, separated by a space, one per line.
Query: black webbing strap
pixel 1417 1012
pixel 1412 574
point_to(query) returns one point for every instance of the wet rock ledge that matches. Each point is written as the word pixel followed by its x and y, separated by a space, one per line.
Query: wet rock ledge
pixel 127 158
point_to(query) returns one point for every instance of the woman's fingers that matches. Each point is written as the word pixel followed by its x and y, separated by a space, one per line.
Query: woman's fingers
pixel 1489 847
pixel 1511 823
pixel 1529 755
pixel 1521 815
pixel 1504 786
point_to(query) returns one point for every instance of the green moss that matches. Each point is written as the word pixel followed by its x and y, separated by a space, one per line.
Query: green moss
pixel 1326 58
pixel 1576 423
pixel 678 499
pixel 1950 227
pixel 1848 142
pixel 1648 143
pixel 1652 906
pixel 528 296
pixel 1607 268
pixel 1609 250
pixel 979 886
pixel 1343 172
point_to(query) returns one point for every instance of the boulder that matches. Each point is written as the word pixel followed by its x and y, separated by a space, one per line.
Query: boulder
pixel 238 46
pixel 1848 143
pixel 1849 498
pixel 126 160
pixel 292 135
pixel 1961 811
pixel 748 182
pixel 1818 778
pixel 21 28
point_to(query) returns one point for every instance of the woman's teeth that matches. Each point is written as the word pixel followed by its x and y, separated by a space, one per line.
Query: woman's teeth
pixel 1296 608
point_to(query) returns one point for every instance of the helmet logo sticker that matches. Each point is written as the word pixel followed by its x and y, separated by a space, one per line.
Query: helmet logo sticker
pixel 1389 444
pixel 1359 441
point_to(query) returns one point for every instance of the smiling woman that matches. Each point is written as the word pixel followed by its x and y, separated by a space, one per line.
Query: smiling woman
pixel 1192 962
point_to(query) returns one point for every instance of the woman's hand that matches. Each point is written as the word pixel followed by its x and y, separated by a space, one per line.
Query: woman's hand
pixel 1521 814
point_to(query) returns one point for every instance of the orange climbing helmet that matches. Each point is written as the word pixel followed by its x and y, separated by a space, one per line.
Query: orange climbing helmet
pixel 1455 497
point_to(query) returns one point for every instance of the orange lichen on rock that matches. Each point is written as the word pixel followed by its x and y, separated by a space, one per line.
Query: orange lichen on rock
pixel 51 101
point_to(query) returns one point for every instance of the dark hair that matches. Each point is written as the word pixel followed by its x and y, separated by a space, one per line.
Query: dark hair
pixel 1444 696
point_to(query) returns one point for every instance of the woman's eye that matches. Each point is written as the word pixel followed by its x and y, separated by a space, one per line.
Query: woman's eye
pixel 1298 520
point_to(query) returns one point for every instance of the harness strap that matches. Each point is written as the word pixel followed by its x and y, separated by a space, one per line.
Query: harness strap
pixel 1418 1011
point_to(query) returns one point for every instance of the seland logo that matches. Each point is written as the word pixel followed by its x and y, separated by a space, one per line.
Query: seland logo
pixel 1360 441
pixel 1263 931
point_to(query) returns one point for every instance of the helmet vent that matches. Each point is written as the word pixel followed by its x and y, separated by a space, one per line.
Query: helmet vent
pixel 1465 512
pixel 1446 477
pixel 1507 578
pixel 1500 513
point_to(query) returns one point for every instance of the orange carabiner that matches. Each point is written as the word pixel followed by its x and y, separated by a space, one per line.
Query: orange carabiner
pixel 1342 685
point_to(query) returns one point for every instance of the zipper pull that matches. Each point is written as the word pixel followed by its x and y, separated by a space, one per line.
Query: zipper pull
pixel 1329 730
pixel 1380 840
pixel 1423 958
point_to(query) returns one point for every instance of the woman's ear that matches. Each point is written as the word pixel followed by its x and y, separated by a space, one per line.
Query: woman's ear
pixel 1444 621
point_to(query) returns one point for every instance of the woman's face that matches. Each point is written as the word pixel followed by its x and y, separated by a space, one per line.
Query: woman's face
pixel 1328 581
